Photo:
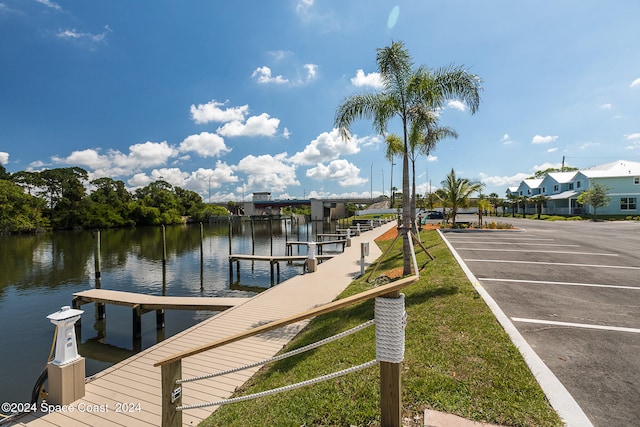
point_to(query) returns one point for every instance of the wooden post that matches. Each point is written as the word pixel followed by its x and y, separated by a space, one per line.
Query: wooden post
pixel 136 321
pixel 230 233
pixel 271 233
pixel 171 394
pixel 201 257
pixel 160 319
pixel 96 252
pixel 253 238
pixel 99 307
pixel 164 245
pixel 390 388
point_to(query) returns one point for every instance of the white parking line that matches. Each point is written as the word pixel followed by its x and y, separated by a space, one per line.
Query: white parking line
pixel 517 243
pixel 555 263
pixel 542 282
pixel 577 325
pixel 534 251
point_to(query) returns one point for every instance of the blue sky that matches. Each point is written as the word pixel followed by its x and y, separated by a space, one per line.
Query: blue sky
pixel 227 98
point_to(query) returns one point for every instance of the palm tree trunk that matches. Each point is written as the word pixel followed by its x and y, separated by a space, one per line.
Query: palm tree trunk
pixel 406 208
pixel 413 192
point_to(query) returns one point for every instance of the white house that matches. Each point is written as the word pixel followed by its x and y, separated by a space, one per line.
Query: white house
pixel 561 189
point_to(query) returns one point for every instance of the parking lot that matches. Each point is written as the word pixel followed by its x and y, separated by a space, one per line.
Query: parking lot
pixel 572 291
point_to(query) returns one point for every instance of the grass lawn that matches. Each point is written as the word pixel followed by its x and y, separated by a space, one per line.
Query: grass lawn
pixel 458 359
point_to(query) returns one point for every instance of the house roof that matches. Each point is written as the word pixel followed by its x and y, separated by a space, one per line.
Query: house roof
pixel 562 177
pixel 564 195
pixel 532 182
pixel 613 169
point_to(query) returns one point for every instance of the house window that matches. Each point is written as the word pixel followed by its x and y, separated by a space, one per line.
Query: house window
pixel 578 184
pixel 556 187
pixel 636 180
pixel 571 186
pixel 544 190
pixel 529 191
pixel 628 203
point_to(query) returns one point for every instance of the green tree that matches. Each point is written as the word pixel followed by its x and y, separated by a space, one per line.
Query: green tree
pixel 20 212
pixel 3 172
pixel 495 201
pixel 538 200
pixel 406 94
pixel 66 192
pixel 423 136
pixel 596 196
pixel 110 202
pixel 456 192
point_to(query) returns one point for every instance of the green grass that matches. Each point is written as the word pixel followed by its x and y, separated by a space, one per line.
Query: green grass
pixel 458 360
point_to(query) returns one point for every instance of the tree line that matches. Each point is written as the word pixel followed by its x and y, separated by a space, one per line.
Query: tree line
pixel 64 198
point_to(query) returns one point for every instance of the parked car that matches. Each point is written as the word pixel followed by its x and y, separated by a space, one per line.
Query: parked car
pixel 435 215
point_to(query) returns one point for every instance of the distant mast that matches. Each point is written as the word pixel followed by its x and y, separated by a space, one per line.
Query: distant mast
pixel 562 169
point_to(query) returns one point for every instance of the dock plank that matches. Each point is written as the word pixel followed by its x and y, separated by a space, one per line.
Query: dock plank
pixel 137 378
pixel 157 302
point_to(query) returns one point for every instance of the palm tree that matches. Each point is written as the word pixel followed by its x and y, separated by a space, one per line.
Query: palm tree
pixel 406 94
pixel 495 201
pixel 456 192
pixel 423 138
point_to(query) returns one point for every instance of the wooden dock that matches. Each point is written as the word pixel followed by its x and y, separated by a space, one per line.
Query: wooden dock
pixel 320 244
pixel 143 303
pixel 274 262
pixel 128 393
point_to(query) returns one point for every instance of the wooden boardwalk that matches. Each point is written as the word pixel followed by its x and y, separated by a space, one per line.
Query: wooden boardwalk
pixel 128 393
pixel 155 302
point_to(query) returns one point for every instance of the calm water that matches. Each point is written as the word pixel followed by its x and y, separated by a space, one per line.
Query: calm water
pixel 40 273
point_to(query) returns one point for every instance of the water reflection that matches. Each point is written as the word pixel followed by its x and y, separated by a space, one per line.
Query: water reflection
pixel 40 273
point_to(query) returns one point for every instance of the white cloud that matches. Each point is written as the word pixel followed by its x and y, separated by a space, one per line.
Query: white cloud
pixel 263 76
pixel 635 83
pixel 268 172
pixel 74 34
pixel 589 145
pixel 539 139
pixel 327 146
pixel 340 170
pixel 90 158
pixel 51 4
pixel 635 141
pixel 503 181
pixel 205 144
pixel 262 125
pixel 432 158
pixel 552 150
pixel 606 106
pixel 149 154
pixel 457 105
pixel 302 6
pixel 373 80
pixel 211 112
pixel 546 166
pixel 286 133
pixel 312 70
pixel 4 157
pixel 506 139
pixel 115 163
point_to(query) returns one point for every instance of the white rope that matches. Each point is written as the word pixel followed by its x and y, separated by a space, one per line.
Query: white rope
pixel 282 356
pixel 281 389
pixel 390 321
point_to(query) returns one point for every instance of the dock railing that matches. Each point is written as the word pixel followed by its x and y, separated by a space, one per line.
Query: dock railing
pixel 389 322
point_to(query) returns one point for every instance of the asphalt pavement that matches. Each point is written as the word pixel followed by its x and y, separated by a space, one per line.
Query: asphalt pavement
pixel 571 291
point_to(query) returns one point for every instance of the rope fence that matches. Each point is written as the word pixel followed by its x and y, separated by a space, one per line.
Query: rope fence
pixel 390 321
